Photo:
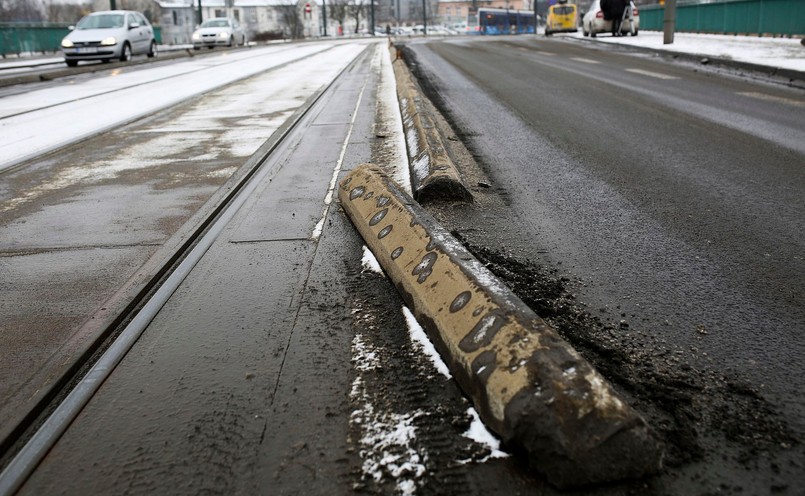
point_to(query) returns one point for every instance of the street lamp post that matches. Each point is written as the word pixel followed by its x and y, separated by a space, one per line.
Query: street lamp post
pixel 324 15
pixel 372 15
pixel 425 17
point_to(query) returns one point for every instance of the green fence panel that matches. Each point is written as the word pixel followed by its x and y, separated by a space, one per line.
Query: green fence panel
pixel 17 38
pixel 762 17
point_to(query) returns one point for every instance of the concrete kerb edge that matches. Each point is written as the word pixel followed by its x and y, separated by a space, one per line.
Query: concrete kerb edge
pixel 529 386
pixel 794 77
pixel 434 175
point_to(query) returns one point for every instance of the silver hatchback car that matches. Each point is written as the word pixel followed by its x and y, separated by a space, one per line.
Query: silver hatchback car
pixel 218 31
pixel 107 35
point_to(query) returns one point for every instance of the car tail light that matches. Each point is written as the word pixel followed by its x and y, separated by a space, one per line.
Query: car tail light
pixel 599 14
pixel 635 12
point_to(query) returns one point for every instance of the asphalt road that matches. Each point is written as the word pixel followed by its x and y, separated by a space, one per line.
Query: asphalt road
pixel 668 204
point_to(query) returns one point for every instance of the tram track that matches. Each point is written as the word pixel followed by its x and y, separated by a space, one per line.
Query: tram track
pixel 29 441
pixel 26 122
pixel 157 80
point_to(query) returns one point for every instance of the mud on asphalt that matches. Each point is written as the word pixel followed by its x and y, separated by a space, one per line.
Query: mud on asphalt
pixel 712 422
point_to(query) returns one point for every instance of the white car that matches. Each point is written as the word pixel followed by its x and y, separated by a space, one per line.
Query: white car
pixel 218 31
pixel 107 35
pixel 593 21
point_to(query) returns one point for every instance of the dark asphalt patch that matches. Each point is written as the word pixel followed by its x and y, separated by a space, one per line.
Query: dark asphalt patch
pixel 405 383
pixel 699 413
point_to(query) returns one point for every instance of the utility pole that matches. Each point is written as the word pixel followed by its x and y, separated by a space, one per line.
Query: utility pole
pixel 324 15
pixel 112 5
pixel 669 22
pixel 200 20
pixel 425 17
pixel 372 15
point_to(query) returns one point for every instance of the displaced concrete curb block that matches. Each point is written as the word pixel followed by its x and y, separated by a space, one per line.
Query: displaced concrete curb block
pixel 433 173
pixel 528 384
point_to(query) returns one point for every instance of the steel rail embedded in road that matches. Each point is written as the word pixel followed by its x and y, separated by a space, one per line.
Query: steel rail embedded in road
pixel 153 81
pixel 30 455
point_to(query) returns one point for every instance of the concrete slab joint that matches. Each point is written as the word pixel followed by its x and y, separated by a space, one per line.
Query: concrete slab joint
pixel 529 385
pixel 433 173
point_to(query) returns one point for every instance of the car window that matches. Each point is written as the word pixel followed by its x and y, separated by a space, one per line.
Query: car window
pixel 564 10
pixel 215 23
pixel 141 19
pixel 101 21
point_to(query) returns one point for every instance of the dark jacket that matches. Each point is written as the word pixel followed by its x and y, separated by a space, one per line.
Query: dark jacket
pixel 613 9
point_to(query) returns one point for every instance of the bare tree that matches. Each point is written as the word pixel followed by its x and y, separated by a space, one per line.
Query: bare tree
pixel 338 11
pixel 21 11
pixel 356 9
pixel 65 13
pixel 294 26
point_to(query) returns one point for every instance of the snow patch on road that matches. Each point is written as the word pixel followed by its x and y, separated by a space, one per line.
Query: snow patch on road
pixel 369 262
pixel 423 344
pixel 481 435
pixel 386 443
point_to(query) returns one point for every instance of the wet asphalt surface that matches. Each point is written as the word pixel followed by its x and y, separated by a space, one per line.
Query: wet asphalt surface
pixel 657 223
pixel 254 378
pixel 86 228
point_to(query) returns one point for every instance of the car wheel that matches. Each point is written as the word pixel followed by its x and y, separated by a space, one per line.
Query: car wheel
pixel 71 63
pixel 231 41
pixel 152 51
pixel 592 33
pixel 634 33
pixel 125 54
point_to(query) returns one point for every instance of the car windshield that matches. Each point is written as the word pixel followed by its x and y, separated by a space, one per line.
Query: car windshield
pixel 103 21
pixel 215 23
pixel 563 10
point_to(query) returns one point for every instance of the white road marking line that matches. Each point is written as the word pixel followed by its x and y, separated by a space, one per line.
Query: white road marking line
pixel 586 61
pixel 772 98
pixel 657 75
pixel 328 199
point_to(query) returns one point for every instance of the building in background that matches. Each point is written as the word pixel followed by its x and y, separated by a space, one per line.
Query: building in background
pixel 261 19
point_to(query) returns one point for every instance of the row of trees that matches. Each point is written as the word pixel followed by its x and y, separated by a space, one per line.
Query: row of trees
pixel 340 10
pixel 41 11
pixel 59 12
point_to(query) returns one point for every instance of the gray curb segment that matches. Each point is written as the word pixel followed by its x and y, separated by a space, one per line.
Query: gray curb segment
pixel 528 384
pixel 433 173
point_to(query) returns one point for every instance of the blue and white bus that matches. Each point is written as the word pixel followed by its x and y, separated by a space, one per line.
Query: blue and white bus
pixel 501 21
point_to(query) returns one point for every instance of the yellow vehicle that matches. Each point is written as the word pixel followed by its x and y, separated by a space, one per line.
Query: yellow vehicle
pixel 562 18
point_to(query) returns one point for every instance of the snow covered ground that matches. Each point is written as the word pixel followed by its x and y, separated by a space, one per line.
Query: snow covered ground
pixel 783 53
pixel 786 53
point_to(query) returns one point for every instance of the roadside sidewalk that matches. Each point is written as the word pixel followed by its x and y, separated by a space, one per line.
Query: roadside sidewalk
pixel 783 56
